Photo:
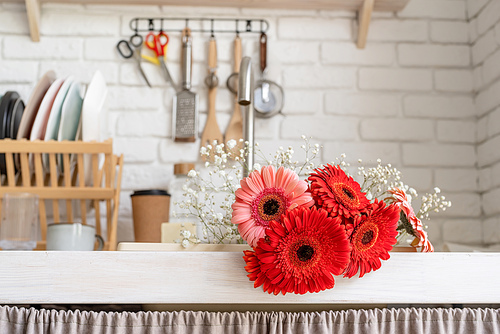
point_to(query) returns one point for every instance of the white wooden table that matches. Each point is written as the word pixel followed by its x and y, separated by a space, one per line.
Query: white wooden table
pixel 135 277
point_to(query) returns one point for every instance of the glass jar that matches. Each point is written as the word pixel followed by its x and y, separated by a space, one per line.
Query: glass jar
pixel 177 189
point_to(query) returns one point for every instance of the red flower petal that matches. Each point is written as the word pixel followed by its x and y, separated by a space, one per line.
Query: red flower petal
pixel 372 238
pixel 336 192
pixel 301 255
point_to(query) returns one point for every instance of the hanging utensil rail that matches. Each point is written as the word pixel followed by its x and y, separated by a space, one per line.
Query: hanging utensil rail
pixel 173 24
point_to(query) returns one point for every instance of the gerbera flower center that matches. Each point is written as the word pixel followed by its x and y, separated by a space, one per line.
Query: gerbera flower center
pixel 269 205
pixel 300 252
pixel 305 253
pixel 365 236
pixel 346 194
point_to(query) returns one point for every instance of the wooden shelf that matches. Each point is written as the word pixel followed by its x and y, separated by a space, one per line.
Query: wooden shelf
pixel 163 277
pixel 364 8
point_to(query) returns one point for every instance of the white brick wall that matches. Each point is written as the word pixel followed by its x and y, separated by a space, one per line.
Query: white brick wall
pixel 454 80
pixel 486 60
pixel 439 106
pixel 433 55
pixel 348 54
pixel 397 129
pixel 435 9
pixel 449 31
pixel 424 95
pixel 397 30
pixel 395 79
pixel 483 47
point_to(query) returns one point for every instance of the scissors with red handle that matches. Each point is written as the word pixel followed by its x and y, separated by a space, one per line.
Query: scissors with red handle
pixel 157 43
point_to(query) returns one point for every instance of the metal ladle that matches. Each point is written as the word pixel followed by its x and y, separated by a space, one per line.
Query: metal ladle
pixel 268 95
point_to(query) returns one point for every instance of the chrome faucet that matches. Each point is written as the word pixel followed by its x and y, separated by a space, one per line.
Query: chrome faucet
pixel 245 96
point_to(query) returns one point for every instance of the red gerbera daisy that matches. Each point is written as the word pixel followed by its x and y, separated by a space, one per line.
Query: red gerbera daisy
pixel 411 223
pixel 301 254
pixel 371 237
pixel 337 193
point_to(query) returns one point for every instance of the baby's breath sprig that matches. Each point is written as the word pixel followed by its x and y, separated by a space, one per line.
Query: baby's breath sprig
pixel 187 238
pixel 377 181
pixel 208 195
pixel 432 202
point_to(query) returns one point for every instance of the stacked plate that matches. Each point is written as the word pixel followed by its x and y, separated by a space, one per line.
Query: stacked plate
pixel 56 110
pixel 11 113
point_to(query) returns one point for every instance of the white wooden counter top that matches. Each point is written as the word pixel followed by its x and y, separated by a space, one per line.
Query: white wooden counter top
pixel 219 278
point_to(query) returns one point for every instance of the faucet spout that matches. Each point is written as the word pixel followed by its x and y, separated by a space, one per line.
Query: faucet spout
pixel 245 95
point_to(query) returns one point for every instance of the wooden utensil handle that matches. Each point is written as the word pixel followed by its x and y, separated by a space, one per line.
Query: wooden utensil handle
pixel 263 52
pixel 237 54
pixel 212 54
pixel 212 94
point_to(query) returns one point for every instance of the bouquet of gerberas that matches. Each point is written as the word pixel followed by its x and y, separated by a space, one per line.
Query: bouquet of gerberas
pixel 305 231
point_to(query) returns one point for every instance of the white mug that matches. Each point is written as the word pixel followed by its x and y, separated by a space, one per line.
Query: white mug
pixel 72 237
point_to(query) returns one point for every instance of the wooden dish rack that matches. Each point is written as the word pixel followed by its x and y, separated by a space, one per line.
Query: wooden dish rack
pixel 25 173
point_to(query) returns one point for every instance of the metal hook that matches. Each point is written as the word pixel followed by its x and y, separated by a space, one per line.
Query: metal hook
pixel 187 23
pixel 212 28
pixel 151 25
pixel 136 28
pixel 237 27
pixel 262 26
pixel 161 25
pixel 249 25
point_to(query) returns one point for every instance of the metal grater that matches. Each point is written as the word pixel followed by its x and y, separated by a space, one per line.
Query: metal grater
pixel 185 112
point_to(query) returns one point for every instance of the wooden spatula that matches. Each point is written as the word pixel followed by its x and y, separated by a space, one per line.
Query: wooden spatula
pixel 211 132
pixel 235 128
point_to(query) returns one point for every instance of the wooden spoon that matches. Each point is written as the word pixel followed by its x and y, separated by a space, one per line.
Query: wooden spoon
pixel 211 132
pixel 235 128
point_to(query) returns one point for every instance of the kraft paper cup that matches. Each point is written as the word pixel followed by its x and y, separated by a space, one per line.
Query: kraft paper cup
pixel 150 208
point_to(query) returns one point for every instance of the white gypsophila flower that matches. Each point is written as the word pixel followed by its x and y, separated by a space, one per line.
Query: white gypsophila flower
pixel 191 173
pixel 186 234
pixel 185 243
pixel 231 144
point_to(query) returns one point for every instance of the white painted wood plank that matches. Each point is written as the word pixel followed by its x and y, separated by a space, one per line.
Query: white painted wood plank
pixel 220 278
pixel 380 5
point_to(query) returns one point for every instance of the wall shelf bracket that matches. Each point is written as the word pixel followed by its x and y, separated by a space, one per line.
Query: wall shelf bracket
pixel 33 12
pixel 364 17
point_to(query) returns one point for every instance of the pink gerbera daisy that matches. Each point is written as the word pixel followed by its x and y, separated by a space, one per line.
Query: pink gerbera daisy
pixel 263 197
pixel 411 223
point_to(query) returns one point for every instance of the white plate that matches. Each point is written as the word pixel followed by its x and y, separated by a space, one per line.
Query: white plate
pixel 42 116
pixel 54 121
pixel 71 112
pixel 34 104
pixel 92 116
